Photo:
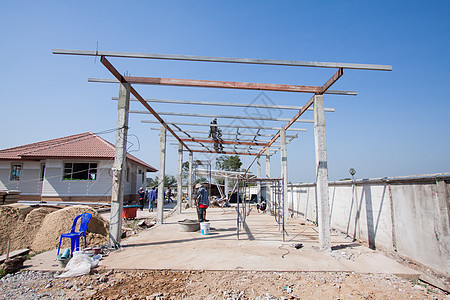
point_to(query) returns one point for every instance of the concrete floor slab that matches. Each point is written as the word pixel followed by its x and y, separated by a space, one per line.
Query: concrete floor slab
pixel 260 247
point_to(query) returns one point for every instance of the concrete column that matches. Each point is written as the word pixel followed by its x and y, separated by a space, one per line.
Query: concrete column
pixel 322 197
pixel 227 188
pixel 442 217
pixel 191 161
pixel 284 175
pixel 258 174
pixel 268 186
pixel 161 173
pixel 180 177
pixel 119 166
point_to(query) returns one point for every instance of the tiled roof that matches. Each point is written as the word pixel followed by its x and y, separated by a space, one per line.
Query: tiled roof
pixel 86 145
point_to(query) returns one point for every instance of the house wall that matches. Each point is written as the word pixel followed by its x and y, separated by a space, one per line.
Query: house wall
pixel 53 187
pixel 407 216
pixel 29 183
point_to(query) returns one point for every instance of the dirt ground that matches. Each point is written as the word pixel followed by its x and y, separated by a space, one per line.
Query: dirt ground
pixel 194 284
pixel 166 284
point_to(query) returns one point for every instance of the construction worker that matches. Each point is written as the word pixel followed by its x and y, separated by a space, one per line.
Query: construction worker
pixel 213 129
pixel 216 134
pixel 202 200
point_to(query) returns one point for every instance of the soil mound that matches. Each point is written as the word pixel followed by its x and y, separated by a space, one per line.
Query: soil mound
pixel 58 222
pixel 39 229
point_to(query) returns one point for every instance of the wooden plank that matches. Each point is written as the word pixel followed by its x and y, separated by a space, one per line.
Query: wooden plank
pixel 14 254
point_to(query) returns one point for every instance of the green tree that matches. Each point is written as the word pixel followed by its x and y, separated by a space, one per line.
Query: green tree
pixel 169 180
pixel 228 163
pixel 200 180
pixel 185 168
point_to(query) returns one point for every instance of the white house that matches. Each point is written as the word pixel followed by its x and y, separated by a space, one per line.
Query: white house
pixel 72 168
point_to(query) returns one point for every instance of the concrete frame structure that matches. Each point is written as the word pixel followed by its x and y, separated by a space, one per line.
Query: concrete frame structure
pixel 317 99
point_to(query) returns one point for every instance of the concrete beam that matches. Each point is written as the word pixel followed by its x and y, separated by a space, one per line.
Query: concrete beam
pixel 254 61
pixel 227 152
pixel 223 125
pixel 214 103
pixel 224 142
pixel 234 117
pixel 230 133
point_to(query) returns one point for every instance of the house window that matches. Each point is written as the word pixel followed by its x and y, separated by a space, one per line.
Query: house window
pixel 80 171
pixel 128 174
pixel 42 172
pixel 141 174
pixel 16 171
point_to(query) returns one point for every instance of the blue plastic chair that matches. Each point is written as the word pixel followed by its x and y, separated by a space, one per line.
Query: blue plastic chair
pixel 75 236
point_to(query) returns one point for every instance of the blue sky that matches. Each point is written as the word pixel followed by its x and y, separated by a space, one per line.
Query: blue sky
pixel 397 125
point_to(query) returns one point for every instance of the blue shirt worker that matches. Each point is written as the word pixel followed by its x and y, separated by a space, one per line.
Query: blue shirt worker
pixel 141 197
pixel 152 196
pixel 202 202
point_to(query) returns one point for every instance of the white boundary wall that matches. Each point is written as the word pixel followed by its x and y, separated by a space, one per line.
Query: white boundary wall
pixel 408 215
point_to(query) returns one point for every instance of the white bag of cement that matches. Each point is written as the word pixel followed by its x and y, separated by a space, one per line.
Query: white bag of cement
pixel 79 264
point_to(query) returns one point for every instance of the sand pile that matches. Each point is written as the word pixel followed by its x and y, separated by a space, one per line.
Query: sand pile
pixel 58 222
pixel 39 229
pixel 19 224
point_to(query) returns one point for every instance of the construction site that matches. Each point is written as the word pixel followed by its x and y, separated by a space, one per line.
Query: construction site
pixel 382 238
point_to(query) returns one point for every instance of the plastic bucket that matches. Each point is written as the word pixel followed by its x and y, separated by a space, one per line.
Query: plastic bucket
pixel 63 262
pixel 204 228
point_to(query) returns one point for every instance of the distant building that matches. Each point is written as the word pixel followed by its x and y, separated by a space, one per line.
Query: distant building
pixel 72 168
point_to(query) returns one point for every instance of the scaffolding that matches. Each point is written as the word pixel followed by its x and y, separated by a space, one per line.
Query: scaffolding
pixel 276 207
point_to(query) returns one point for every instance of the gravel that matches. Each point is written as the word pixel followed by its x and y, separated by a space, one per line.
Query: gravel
pixel 25 285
